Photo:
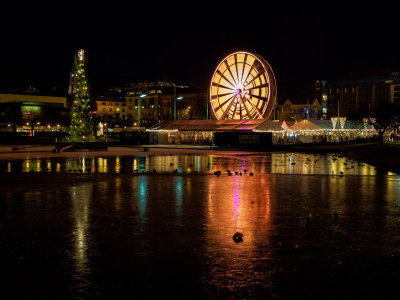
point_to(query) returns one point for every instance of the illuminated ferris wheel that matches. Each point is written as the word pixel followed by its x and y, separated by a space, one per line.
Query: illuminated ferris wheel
pixel 243 87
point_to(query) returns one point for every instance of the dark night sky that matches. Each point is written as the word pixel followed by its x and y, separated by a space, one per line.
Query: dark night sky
pixel 185 42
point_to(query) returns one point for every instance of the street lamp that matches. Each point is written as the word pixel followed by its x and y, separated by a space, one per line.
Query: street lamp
pixel 142 95
pixel 177 98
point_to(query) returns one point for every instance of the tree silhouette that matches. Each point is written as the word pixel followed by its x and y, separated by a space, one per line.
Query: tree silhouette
pixel 385 118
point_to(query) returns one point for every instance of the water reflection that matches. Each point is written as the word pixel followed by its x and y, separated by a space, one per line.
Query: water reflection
pixel 269 163
pixel 81 197
pixel 142 195
pixel 239 205
pixel 174 233
pixel 179 195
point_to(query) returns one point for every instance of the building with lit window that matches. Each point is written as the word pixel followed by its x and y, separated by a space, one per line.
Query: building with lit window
pixel 321 94
pixel 295 110
pixel 151 102
pixel 29 113
pixel 111 107
pixel 357 95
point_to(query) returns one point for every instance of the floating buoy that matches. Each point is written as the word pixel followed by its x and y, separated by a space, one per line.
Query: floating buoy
pixel 238 237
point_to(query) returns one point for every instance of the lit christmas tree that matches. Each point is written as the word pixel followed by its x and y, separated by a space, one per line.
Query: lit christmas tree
pixel 81 126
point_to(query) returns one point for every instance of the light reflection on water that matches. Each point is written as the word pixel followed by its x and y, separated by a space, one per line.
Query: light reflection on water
pixel 240 205
pixel 80 198
pixel 269 163
pixel 134 234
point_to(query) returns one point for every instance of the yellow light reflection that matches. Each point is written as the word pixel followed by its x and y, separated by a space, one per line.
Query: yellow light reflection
pixel 118 195
pixel 38 167
pixel 80 197
pixel 117 165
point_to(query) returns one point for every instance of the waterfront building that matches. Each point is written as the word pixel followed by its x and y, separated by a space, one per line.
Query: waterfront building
pixel 30 113
pixel 294 110
pixel 321 94
pixel 152 102
pixel 357 95
pixel 111 107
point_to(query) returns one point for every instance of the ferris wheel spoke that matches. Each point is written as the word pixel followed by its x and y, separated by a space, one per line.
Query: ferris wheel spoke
pixel 244 65
pixel 237 68
pixel 223 104
pixel 245 106
pixel 265 99
pixel 258 86
pixel 222 86
pixel 253 67
pixel 230 72
pixel 224 77
pixel 221 95
pixel 234 110
pixel 229 107
pixel 255 107
pixel 255 77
